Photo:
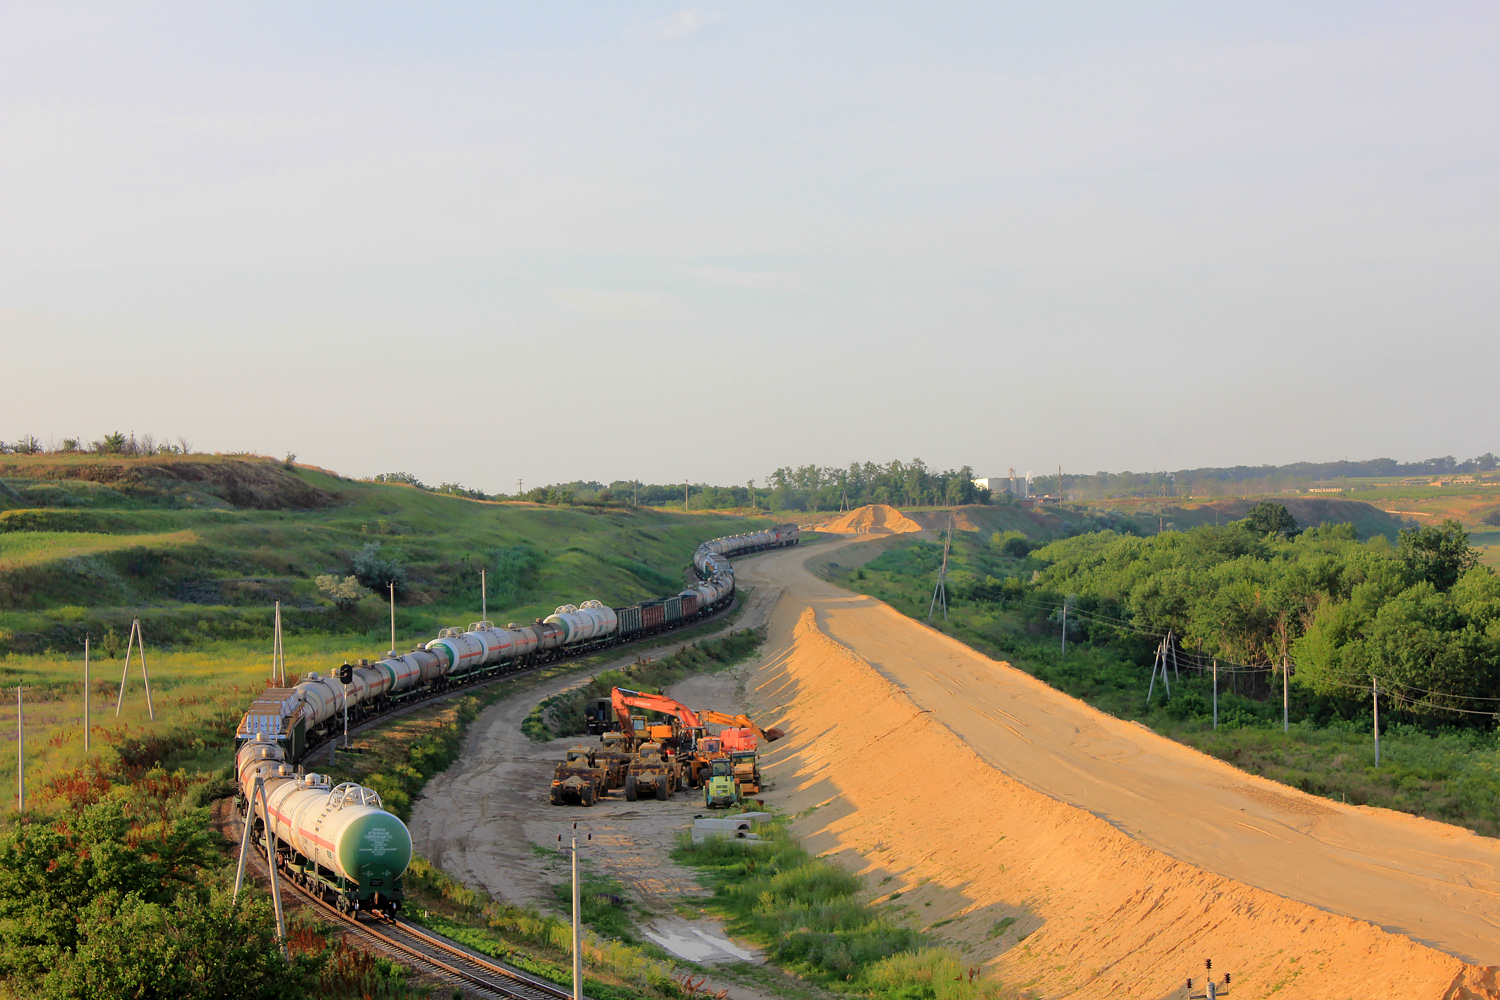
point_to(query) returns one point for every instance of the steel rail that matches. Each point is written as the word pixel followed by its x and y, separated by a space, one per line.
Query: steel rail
pixel 491 979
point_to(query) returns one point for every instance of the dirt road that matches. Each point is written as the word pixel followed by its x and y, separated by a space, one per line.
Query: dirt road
pixel 487 819
pixel 1075 850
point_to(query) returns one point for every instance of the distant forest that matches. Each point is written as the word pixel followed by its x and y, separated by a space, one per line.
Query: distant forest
pixel 1252 479
pixel 915 484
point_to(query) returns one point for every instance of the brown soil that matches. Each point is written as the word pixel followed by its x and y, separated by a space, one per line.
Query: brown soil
pixel 873 519
pixel 256 483
pixel 1078 854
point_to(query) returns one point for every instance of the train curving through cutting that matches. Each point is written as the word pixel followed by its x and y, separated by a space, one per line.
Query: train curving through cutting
pixel 339 839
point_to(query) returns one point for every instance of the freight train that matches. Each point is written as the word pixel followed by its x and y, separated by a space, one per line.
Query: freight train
pixel 339 839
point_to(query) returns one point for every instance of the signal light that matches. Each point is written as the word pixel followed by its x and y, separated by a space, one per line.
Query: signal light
pixel 1208 964
pixel 346 673
pixel 1190 982
pixel 1226 979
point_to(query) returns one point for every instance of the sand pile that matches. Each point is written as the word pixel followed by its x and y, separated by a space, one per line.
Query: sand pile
pixel 873 519
pixel 1041 892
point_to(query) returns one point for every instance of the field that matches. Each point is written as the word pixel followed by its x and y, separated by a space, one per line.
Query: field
pixel 199 549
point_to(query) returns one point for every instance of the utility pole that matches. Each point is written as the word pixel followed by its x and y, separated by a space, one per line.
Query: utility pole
pixel 20 754
pixel 684 494
pixel 1065 627
pixel 392 585
pixel 239 878
pixel 484 600
pixel 1375 702
pixel 85 694
pixel 942 586
pixel 136 639
pixel 1286 725
pixel 1216 692
pixel 518 489
pixel 1059 485
pixel 577 911
pixel 278 651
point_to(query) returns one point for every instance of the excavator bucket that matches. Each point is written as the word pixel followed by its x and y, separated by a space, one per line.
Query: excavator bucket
pixel 773 734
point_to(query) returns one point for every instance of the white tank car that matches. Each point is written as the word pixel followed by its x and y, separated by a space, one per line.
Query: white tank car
pixel 342 828
pixel 499 644
pixel 588 621
pixel 463 651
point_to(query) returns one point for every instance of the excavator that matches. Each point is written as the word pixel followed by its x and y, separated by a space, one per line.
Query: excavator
pixel 739 741
pixel 741 722
pixel 695 749
pixel 679 736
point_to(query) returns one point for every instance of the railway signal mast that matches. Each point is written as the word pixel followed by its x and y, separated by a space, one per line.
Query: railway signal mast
pixel 1211 989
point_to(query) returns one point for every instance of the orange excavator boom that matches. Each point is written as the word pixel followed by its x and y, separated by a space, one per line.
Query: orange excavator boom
pixel 741 722
pixel 625 699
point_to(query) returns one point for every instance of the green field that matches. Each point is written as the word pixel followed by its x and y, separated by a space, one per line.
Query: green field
pixel 164 541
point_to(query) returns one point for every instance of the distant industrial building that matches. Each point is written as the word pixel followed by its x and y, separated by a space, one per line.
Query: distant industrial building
pixel 1017 485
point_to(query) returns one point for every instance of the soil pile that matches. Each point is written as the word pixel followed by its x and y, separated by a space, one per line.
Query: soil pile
pixel 873 519
pixel 1044 893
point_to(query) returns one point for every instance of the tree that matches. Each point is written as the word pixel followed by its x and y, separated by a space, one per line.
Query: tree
pixel 1439 554
pixel 379 572
pixel 344 593
pixel 1271 518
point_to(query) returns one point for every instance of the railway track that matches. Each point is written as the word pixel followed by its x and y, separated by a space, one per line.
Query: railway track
pixel 314 747
pixel 445 960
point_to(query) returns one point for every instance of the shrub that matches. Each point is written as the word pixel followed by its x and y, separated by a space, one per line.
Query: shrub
pixel 379 572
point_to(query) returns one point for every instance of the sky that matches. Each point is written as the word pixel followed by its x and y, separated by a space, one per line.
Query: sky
pixel 485 242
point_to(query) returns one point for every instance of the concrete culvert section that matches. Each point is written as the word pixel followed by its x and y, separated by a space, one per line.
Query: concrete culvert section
pixel 1078 854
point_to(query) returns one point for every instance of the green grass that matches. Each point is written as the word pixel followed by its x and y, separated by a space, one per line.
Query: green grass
pixel 810 916
pixel 1440 772
pixel 35 548
pixel 202 581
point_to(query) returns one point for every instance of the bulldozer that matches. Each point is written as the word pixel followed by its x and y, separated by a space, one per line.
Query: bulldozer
pixel 612 757
pixel 651 772
pixel 746 764
pixel 576 779
pixel 721 788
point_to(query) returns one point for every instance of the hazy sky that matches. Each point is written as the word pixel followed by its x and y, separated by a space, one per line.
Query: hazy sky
pixel 603 240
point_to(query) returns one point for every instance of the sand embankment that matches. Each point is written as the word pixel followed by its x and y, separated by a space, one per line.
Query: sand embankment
pixel 873 519
pixel 1044 893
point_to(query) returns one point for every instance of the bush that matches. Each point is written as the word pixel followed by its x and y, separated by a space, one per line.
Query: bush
pixel 379 572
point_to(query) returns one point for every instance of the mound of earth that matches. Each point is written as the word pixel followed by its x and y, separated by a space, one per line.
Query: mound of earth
pixel 873 519
pixel 1037 890
pixel 254 483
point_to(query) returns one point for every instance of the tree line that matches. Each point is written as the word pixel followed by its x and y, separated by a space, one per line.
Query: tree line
pixel 115 443
pixel 1421 617
pixel 1243 479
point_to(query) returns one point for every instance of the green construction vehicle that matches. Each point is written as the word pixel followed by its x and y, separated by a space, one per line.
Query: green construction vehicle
pixel 721 787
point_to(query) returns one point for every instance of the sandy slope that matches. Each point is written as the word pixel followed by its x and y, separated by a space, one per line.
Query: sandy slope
pixel 873 519
pixel 1124 858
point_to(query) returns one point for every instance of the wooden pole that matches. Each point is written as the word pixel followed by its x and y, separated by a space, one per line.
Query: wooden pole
pixel 125 674
pixel 577 951
pixel 484 602
pixel 20 754
pixel 1065 627
pixel 1216 692
pixel 140 650
pixel 260 787
pixel 1286 725
pixel 1375 701
pixel 1152 688
pixel 392 585
pixel 85 694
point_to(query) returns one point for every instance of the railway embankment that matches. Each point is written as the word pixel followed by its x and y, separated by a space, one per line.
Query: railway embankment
pixel 1044 895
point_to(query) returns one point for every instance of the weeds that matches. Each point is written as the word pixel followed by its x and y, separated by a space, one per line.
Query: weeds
pixel 809 916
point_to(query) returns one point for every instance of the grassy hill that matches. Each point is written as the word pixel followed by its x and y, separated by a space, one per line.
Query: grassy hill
pixel 199 547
